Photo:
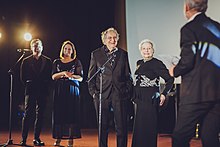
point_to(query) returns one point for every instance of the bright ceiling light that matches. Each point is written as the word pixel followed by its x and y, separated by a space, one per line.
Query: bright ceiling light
pixel 27 36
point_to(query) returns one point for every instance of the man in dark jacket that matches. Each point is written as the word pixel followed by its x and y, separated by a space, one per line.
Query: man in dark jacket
pixel 116 84
pixel 36 76
pixel 199 68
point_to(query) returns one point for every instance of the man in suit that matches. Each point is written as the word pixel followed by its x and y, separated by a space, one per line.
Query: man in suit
pixel 116 85
pixel 36 75
pixel 199 68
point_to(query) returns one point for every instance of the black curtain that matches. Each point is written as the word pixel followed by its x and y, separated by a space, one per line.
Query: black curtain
pixel 54 22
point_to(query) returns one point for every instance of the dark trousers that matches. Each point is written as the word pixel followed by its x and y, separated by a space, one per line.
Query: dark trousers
pixel 189 115
pixel 119 108
pixel 33 104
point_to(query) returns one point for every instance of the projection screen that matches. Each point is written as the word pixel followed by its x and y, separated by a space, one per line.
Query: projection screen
pixel 159 21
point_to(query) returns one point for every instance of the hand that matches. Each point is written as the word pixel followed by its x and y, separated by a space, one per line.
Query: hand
pixel 162 99
pixel 171 70
pixel 67 74
pixel 93 96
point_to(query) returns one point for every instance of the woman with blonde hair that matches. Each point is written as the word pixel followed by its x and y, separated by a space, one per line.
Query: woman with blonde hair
pixel 67 73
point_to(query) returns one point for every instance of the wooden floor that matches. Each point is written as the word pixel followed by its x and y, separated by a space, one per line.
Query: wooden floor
pixel 89 139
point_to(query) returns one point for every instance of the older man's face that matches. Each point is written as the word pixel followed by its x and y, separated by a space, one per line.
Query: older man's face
pixel 111 40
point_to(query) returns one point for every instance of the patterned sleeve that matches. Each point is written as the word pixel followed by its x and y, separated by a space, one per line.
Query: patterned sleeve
pixel 79 68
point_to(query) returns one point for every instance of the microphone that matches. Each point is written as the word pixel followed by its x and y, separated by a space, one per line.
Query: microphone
pixel 23 50
pixel 112 53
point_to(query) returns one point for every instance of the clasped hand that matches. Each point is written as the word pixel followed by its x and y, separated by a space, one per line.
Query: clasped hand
pixel 67 74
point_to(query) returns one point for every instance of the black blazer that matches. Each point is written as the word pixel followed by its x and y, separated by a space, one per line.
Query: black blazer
pixel 36 81
pixel 117 76
pixel 199 65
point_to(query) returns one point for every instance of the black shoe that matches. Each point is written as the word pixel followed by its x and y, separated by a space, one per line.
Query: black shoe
pixel 23 143
pixel 38 142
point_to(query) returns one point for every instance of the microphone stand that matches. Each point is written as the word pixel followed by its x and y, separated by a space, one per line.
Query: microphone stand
pixel 10 72
pixel 100 70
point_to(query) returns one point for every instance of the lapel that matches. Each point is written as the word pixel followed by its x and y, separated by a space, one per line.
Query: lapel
pixel 117 57
pixel 42 65
pixel 103 58
pixel 32 64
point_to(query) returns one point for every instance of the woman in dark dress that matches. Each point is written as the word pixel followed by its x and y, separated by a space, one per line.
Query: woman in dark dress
pixel 67 73
pixel 147 95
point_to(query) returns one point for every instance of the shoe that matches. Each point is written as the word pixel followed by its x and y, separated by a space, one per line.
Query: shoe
pixel 57 143
pixel 38 142
pixel 23 143
pixel 70 143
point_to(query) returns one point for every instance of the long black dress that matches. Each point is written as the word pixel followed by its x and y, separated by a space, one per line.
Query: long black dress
pixel 66 101
pixel 146 96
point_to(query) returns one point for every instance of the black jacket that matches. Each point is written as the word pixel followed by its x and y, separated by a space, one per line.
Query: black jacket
pixel 117 76
pixel 199 65
pixel 36 81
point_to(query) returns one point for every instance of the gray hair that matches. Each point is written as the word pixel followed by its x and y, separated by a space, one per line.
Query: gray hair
pixel 198 5
pixel 146 41
pixel 104 33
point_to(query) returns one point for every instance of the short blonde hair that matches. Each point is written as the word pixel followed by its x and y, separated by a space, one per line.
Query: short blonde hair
pixel 73 56
pixel 35 41
pixel 104 33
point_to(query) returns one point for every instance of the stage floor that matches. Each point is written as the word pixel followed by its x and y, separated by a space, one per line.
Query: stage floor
pixel 89 139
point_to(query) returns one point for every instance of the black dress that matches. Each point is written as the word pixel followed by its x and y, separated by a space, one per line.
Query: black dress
pixel 66 101
pixel 147 96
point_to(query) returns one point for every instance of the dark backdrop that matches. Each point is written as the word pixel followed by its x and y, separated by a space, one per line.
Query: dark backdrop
pixel 54 21
pixel 80 21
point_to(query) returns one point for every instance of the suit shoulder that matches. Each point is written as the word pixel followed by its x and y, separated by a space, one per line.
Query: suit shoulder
pixel 56 60
pixel 216 23
pixel 198 21
pixel 122 50
pixel 46 57
pixel 28 58
pixel 96 50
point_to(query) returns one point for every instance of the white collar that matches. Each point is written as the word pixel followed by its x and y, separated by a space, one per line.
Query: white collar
pixel 192 17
